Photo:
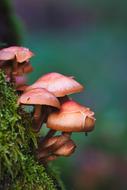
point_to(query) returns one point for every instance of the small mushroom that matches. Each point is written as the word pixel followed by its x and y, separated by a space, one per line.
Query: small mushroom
pixel 50 145
pixel 17 55
pixel 55 147
pixel 72 117
pixel 39 98
pixel 20 53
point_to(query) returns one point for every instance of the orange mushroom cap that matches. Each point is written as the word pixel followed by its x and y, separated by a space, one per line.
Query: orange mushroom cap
pixel 58 84
pixel 39 97
pixel 72 117
pixel 21 53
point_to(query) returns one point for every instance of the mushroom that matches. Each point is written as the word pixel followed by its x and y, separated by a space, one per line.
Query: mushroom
pixel 55 147
pixel 49 145
pixel 17 55
pixel 65 150
pixel 20 75
pixel 20 53
pixel 72 117
pixel 60 85
pixel 40 98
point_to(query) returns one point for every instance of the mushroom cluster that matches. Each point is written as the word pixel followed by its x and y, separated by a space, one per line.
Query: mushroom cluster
pixel 15 62
pixel 49 96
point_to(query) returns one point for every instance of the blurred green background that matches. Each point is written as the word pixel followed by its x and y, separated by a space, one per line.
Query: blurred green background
pixel 86 39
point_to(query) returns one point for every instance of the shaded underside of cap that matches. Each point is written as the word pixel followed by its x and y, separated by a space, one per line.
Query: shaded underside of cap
pixel 58 84
pixel 39 97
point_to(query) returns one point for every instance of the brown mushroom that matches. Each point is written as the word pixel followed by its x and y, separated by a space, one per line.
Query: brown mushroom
pixel 55 147
pixel 39 98
pixel 72 117
pixel 50 145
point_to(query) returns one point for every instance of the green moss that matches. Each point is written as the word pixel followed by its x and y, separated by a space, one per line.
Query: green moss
pixel 18 168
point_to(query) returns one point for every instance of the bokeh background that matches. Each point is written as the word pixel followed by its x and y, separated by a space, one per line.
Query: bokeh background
pixel 86 39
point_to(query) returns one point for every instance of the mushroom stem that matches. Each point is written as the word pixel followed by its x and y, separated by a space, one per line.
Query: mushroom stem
pixel 14 67
pixel 38 120
pixel 37 112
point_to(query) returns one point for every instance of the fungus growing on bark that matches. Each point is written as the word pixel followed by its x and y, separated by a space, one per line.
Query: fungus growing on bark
pixel 49 96
pixel 39 98
pixel 72 117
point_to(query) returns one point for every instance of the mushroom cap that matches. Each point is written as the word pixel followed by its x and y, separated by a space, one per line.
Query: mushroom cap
pixel 6 55
pixel 59 140
pixel 60 85
pixel 66 149
pixel 21 53
pixel 39 97
pixel 72 117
